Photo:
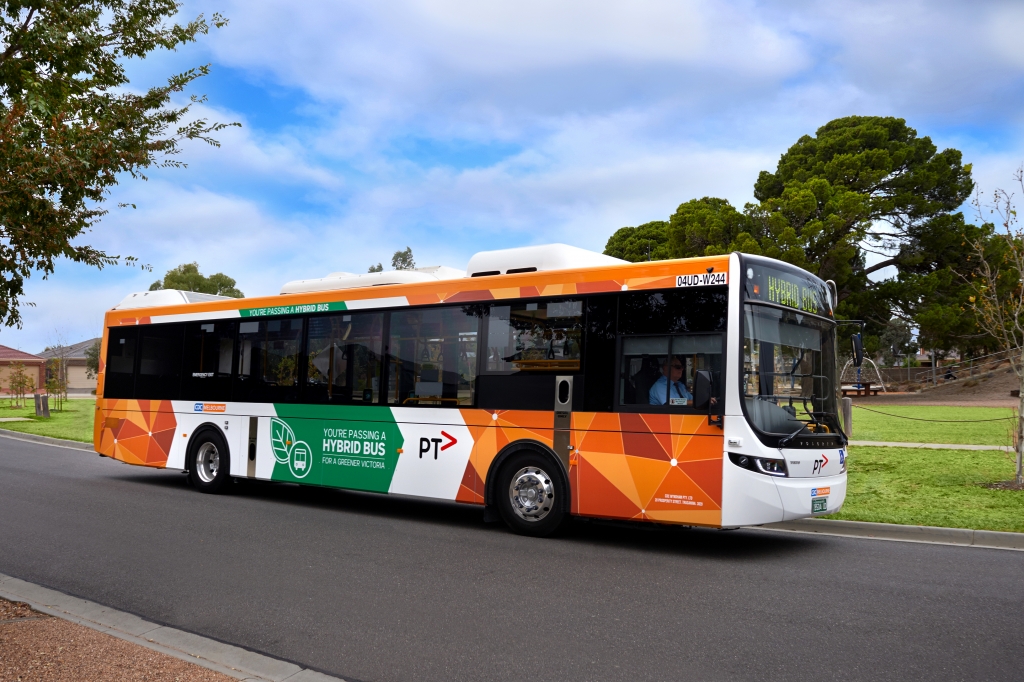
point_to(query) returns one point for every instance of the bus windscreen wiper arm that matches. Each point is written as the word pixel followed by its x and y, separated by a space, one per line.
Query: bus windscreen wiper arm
pixel 783 442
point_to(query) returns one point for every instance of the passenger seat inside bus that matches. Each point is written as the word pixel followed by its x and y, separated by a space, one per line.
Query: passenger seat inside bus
pixel 650 371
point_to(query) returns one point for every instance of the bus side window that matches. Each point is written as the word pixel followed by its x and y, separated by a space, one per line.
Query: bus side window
pixel 528 344
pixel 209 350
pixel 120 365
pixel 545 336
pixel 344 359
pixel 269 352
pixel 160 347
pixel 432 357
pixel 658 372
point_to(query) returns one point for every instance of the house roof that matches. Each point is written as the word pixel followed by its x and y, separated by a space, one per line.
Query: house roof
pixel 76 350
pixel 12 355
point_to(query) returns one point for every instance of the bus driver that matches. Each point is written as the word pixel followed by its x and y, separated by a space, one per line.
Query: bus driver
pixel 668 388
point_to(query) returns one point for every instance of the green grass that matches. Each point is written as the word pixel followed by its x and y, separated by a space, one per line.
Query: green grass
pixel 958 427
pixel 74 422
pixel 914 486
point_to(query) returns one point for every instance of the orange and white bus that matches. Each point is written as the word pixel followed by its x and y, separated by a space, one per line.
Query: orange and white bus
pixel 542 382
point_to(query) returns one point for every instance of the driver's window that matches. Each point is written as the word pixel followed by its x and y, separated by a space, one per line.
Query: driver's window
pixel 658 372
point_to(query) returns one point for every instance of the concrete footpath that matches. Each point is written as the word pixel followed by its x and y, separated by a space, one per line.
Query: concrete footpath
pixel 229 660
pixel 964 537
pixel 930 446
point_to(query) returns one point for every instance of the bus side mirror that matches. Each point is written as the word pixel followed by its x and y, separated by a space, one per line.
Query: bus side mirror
pixel 702 389
pixel 858 351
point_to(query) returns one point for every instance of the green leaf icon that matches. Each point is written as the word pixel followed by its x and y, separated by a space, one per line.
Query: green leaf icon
pixel 281 439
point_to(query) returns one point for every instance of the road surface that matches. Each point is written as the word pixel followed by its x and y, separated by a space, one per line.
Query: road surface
pixel 373 588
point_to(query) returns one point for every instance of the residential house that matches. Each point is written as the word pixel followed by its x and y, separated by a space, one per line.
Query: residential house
pixel 34 367
pixel 78 381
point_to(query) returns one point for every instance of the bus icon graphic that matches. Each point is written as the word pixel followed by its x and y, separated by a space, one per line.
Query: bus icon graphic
pixel 287 450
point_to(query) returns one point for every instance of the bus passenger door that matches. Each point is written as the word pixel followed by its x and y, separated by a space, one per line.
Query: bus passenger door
pixel 563 419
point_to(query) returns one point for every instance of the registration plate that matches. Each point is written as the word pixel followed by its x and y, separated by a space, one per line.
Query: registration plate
pixel 819 504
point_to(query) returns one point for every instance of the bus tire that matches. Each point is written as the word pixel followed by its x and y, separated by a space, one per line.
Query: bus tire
pixel 531 494
pixel 209 463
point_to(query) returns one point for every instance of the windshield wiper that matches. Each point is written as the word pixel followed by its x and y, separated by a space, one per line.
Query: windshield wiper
pixel 783 442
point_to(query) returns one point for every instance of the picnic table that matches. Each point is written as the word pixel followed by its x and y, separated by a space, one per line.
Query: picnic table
pixel 863 388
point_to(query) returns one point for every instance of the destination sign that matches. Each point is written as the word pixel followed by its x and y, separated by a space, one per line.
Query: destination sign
pixel 790 289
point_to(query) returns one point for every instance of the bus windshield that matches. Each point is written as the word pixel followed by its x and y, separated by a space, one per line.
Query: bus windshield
pixel 789 372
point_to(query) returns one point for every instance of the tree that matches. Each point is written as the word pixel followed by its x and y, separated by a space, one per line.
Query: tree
pixel 70 125
pixel 641 243
pixel 996 282
pixel 376 268
pixel 186 277
pixel 865 184
pixel 18 383
pixel 860 185
pixel 403 260
pixel 56 371
pixel 896 341
pixel 709 227
pixel 92 360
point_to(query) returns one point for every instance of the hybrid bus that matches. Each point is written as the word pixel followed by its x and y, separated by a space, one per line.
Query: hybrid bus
pixel 541 382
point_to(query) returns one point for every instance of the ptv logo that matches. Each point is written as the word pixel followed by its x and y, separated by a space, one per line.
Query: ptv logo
pixel 819 464
pixel 425 444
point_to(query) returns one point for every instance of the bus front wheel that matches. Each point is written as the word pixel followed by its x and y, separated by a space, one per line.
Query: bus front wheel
pixel 531 495
pixel 208 462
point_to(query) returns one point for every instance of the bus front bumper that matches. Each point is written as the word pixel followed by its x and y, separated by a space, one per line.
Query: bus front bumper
pixel 803 497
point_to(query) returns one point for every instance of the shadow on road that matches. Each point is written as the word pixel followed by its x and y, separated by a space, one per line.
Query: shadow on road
pixel 690 541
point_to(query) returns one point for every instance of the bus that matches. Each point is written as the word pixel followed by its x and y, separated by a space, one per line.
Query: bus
pixel 541 383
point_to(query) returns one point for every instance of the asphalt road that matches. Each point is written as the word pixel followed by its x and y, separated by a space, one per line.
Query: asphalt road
pixel 372 588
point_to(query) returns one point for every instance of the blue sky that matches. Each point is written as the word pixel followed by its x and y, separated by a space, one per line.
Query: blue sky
pixel 458 126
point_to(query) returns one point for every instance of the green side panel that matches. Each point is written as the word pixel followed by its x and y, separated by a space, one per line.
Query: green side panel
pixel 293 309
pixel 342 446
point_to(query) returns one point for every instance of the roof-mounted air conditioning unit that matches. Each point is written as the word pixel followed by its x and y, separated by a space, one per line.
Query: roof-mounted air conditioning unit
pixel 536 259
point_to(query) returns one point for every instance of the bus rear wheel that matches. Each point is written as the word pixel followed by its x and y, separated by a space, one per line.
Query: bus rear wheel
pixel 208 462
pixel 531 495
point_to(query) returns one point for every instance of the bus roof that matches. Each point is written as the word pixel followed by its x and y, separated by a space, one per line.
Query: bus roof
pixel 620 276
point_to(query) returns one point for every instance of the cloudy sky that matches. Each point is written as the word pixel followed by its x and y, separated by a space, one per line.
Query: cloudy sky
pixel 454 126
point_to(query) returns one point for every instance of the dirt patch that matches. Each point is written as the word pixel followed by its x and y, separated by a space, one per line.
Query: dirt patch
pixel 35 646
pixel 1005 485
pixel 991 390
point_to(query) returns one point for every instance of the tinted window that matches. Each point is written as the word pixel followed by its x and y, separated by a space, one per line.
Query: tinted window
pixel 534 337
pixel 669 312
pixel 209 351
pixel 160 347
pixel 268 361
pixel 344 358
pixel 657 372
pixel 433 357
pixel 120 366
pixel 599 362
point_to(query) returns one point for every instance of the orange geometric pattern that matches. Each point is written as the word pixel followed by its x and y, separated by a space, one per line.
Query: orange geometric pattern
pixel 136 431
pixel 656 467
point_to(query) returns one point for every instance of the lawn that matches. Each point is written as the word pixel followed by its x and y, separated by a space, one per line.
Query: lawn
pixel 74 422
pixel 960 425
pixel 922 487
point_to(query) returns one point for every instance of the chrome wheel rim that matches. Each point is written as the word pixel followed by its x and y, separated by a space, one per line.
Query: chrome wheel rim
pixel 531 493
pixel 207 462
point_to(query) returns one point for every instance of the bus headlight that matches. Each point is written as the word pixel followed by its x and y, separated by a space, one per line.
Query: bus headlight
pixel 761 465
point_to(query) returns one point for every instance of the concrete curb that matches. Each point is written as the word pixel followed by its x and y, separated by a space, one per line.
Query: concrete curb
pixel 229 660
pixel 964 537
pixel 929 446
pixel 32 438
